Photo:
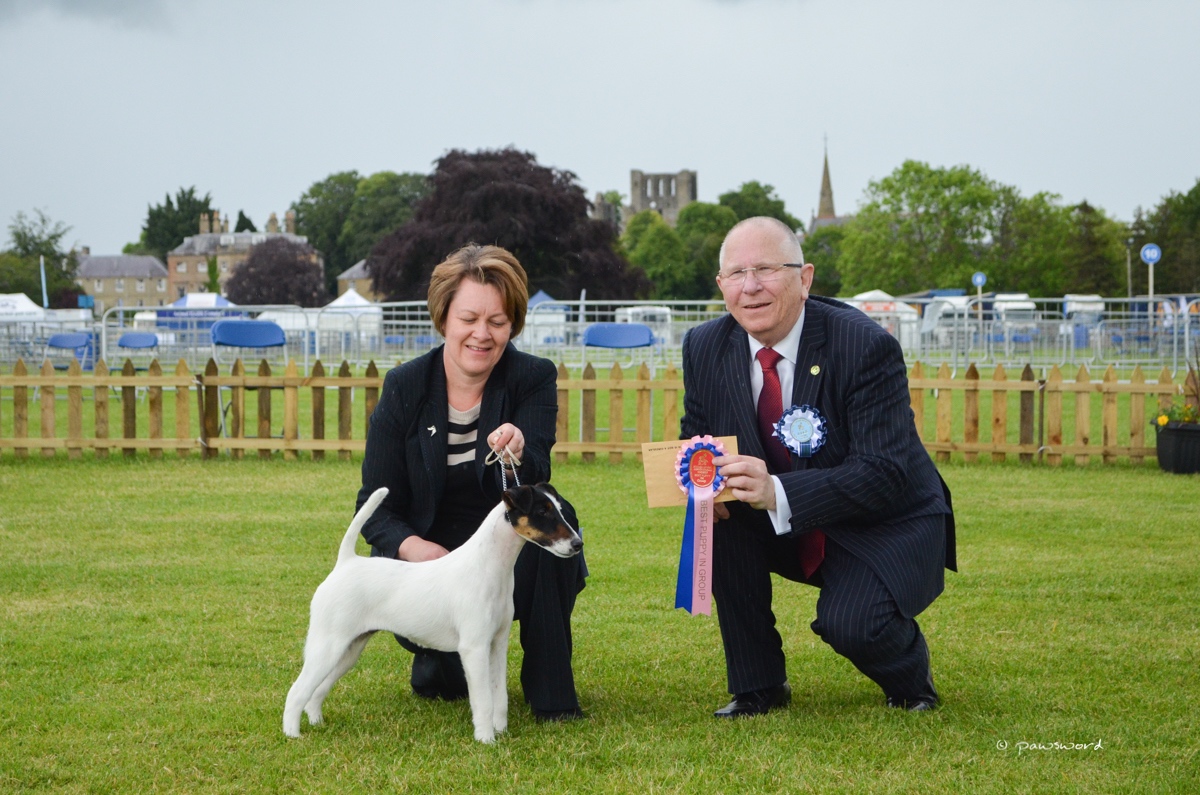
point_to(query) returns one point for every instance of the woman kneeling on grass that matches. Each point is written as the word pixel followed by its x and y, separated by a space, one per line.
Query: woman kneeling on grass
pixel 438 418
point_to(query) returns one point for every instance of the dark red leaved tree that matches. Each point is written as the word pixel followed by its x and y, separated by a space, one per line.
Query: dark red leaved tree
pixel 505 198
pixel 279 271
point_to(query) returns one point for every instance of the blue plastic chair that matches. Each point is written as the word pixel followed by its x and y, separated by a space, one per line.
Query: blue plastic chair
pixel 255 335
pixel 627 336
pixel 140 346
pixel 618 335
pixel 245 335
pixel 77 343
pixel 138 340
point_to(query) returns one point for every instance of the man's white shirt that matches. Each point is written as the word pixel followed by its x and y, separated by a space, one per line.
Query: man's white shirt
pixel 788 348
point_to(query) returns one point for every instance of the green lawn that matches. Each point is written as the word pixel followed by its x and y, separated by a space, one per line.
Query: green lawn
pixel 152 617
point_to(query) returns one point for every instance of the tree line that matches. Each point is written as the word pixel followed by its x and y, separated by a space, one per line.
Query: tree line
pixel 918 228
pixel 923 227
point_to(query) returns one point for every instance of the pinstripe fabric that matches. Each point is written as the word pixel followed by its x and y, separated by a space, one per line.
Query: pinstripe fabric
pixel 407 451
pixel 872 488
pixel 859 619
pixel 407 438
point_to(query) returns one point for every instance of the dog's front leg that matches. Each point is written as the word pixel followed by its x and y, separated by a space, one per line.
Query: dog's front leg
pixel 476 664
pixel 499 682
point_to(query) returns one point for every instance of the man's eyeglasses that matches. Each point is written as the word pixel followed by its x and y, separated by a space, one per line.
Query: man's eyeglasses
pixel 764 273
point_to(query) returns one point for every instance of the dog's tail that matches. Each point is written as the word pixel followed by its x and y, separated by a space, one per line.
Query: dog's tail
pixel 346 551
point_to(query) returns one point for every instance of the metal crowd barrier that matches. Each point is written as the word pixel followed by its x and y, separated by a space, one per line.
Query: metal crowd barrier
pixel 1123 332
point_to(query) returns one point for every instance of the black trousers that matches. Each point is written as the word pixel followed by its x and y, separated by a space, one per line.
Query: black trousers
pixel 544 591
pixel 856 614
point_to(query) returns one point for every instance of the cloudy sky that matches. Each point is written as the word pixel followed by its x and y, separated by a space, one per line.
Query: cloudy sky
pixel 107 105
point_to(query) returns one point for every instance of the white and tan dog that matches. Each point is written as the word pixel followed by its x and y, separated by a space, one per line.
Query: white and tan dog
pixel 460 602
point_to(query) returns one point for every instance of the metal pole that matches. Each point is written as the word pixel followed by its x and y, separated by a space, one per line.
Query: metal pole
pixel 45 298
pixel 1129 268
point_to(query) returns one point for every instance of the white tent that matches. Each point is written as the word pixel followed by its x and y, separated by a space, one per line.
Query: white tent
pixel 18 308
pixel 943 313
pixel 338 321
pixel 545 320
pixel 351 299
pixel 880 301
pixel 348 311
pixel 901 320
pixel 202 301
pixel 287 319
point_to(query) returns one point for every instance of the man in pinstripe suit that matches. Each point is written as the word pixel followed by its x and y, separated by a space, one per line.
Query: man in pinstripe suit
pixel 865 517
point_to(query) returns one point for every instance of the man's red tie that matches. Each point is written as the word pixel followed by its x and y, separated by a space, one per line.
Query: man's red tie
pixel 770 409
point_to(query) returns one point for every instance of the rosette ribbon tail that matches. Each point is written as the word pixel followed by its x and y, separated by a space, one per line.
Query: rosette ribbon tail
pixel 700 480
pixel 693 586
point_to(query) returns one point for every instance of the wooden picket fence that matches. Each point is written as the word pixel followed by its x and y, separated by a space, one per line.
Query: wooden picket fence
pixel 634 400
pixel 233 415
pixel 588 386
pixel 1041 431
pixel 97 385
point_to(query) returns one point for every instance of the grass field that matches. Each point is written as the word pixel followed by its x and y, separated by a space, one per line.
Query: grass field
pixel 152 617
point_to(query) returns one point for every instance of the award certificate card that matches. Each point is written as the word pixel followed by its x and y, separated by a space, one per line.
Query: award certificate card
pixel 658 466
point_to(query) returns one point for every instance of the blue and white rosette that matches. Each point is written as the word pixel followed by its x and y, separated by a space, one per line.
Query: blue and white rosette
pixel 700 479
pixel 802 430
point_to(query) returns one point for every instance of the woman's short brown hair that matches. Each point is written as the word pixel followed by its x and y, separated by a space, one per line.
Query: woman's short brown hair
pixel 485 265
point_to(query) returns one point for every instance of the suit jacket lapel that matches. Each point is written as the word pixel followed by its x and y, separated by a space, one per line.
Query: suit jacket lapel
pixel 810 357
pixel 735 366
pixel 431 428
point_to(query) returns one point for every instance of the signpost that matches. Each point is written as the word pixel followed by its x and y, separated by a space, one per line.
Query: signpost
pixel 979 278
pixel 1151 254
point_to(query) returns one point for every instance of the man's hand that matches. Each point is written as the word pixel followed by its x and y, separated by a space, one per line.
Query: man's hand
pixel 416 549
pixel 749 481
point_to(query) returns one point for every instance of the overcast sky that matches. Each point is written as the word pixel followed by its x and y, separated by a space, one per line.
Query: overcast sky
pixel 107 105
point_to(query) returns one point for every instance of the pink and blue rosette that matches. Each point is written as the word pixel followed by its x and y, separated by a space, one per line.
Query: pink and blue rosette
pixel 700 479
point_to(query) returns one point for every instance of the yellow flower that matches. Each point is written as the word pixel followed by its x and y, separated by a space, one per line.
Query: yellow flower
pixel 1162 419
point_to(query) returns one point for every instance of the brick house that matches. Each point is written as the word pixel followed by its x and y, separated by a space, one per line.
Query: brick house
pixel 356 278
pixel 123 280
pixel 187 263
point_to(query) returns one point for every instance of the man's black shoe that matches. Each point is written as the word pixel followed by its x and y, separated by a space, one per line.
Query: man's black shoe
pixel 558 715
pixel 917 705
pixel 756 702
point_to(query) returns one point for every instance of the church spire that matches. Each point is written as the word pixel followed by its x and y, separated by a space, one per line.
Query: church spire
pixel 825 208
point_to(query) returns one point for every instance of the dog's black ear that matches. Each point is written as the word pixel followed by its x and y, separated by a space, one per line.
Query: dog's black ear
pixel 519 498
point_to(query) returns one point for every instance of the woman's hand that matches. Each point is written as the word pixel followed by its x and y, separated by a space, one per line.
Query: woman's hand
pixel 510 436
pixel 416 549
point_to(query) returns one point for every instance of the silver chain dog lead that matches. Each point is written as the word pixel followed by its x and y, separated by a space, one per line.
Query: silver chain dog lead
pixel 505 459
